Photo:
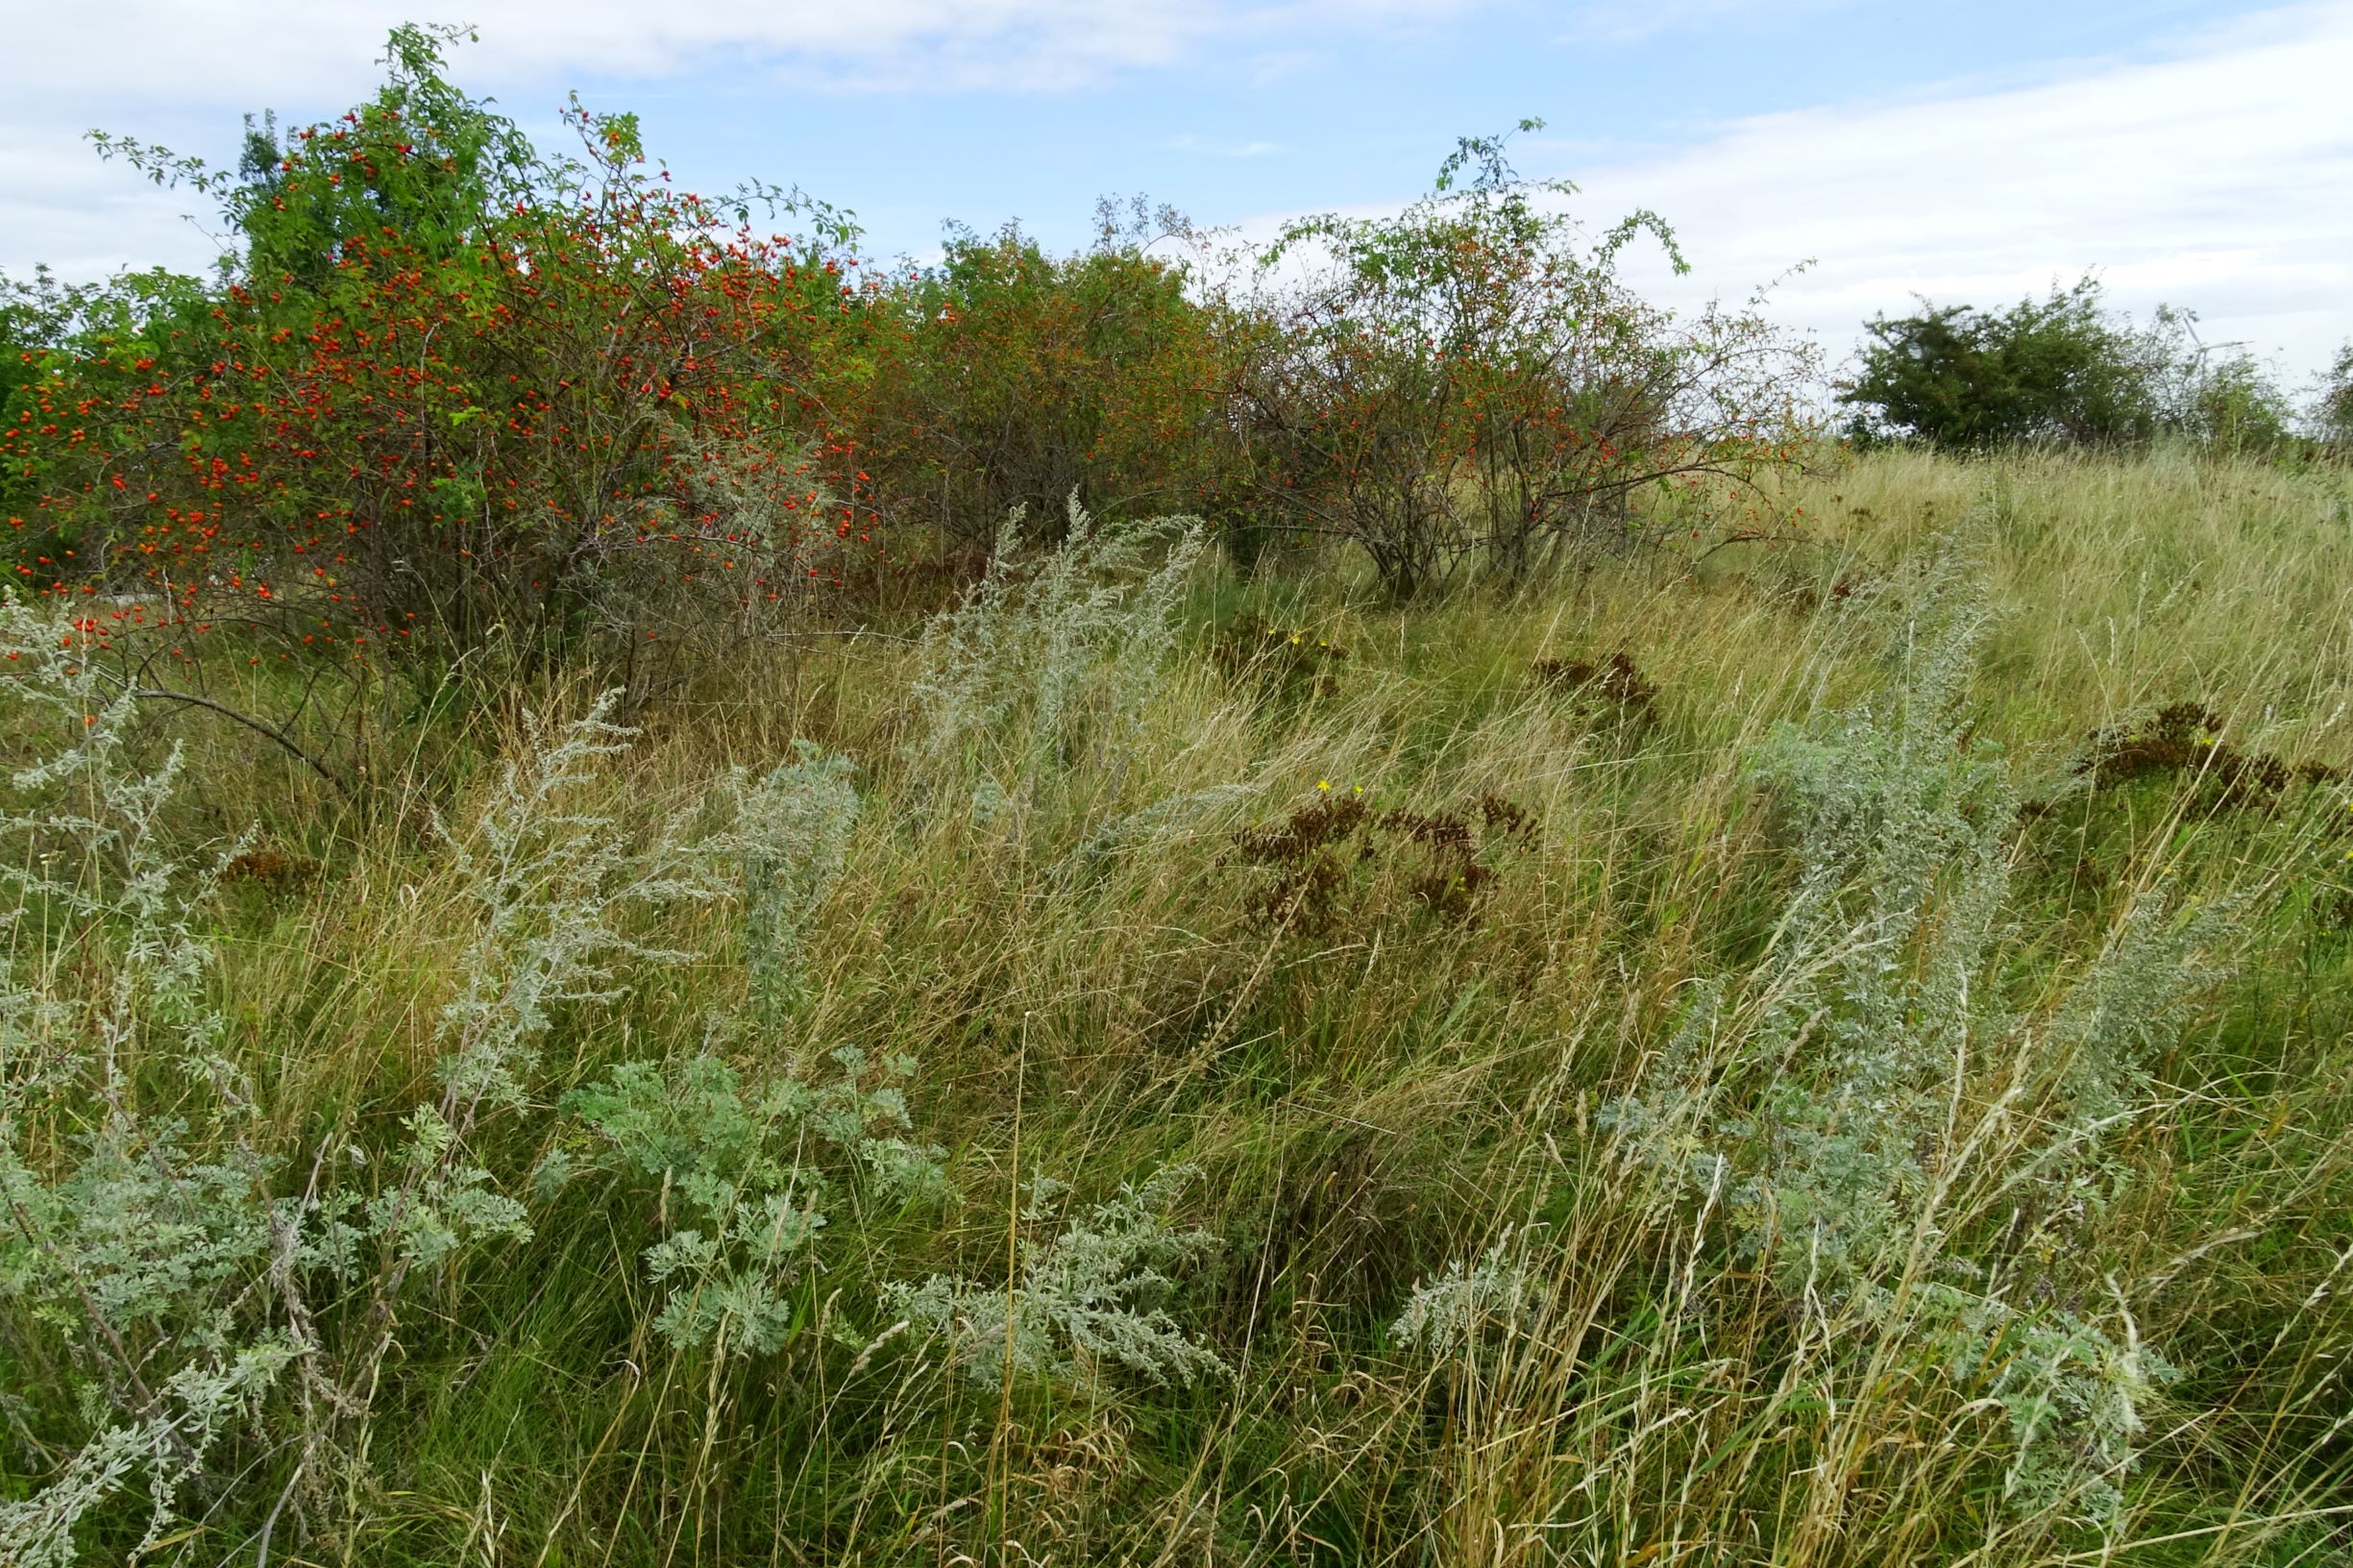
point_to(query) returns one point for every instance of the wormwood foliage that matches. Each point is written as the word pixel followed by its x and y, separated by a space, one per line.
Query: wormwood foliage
pixel 1818 1157
pixel 163 1266
pixel 132 1240
pixel 552 885
pixel 1096 1294
pixel 754 1173
pixel 792 836
pixel 1875 1126
pixel 1049 654
pixel 1452 1311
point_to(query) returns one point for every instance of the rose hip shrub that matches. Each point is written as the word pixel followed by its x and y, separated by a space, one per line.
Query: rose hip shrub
pixel 453 395
pixel 1471 384
pixel 459 404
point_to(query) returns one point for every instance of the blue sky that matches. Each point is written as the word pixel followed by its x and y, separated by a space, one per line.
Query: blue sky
pixel 2199 151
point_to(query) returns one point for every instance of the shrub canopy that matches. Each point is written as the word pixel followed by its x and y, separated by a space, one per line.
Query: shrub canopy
pixel 2065 370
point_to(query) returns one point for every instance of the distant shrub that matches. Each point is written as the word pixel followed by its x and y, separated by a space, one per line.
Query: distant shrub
pixel 2332 405
pixel 2229 404
pixel 2057 369
pixel 2064 369
pixel 1472 382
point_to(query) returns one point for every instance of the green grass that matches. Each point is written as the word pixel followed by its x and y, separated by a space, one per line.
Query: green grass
pixel 1368 1101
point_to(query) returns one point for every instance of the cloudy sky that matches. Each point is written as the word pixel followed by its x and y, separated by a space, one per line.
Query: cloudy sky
pixel 2196 150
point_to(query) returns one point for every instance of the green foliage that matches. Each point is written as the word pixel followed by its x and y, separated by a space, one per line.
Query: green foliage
pixel 422 160
pixel 1005 378
pixel 2065 369
pixel 2332 407
pixel 2052 370
pixel 458 399
pixel 1095 1295
pixel 2231 405
pixel 1471 382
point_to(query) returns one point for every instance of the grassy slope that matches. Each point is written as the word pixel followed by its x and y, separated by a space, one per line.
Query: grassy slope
pixel 1394 1090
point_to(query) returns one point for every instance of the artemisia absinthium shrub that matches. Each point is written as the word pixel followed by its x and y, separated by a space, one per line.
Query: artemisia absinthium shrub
pixel 454 394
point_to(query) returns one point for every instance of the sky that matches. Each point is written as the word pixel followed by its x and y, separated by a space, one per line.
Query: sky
pixel 2195 152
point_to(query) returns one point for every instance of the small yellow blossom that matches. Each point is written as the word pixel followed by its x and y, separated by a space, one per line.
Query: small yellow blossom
pixel 1323 784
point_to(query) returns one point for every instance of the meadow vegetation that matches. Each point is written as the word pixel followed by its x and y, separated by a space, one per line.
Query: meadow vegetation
pixel 670 898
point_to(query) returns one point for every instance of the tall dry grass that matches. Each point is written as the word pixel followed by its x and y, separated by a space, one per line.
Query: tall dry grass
pixel 1381 1087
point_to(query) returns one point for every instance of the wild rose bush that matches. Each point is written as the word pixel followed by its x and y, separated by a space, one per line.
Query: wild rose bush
pixel 458 405
pixel 454 393
pixel 1470 382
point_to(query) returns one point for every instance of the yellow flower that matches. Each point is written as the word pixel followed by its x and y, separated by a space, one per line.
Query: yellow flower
pixel 1323 783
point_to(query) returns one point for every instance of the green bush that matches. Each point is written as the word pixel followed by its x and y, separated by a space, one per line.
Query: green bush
pixel 455 396
pixel 2063 371
pixel 1472 382
pixel 1006 376
pixel 2332 406
pixel 2058 370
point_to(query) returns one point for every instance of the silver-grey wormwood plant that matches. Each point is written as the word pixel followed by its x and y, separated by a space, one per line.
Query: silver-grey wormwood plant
pixel 750 1178
pixel 792 834
pixel 155 1256
pixel 124 1253
pixel 1048 649
pixel 1096 1294
pixel 1871 1123
pixel 1451 1313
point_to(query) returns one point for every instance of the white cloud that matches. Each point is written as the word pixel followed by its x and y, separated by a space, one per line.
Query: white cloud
pixel 234 50
pixel 176 70
pixel 1208 147
pixel 1613 21
pixel 2220 179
